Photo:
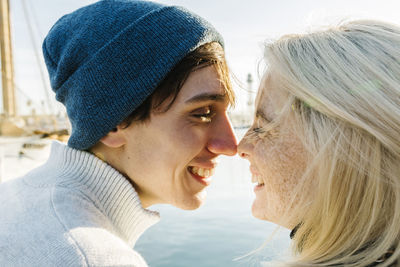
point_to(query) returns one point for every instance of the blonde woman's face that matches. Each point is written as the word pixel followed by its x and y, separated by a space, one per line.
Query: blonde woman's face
pixel 276 155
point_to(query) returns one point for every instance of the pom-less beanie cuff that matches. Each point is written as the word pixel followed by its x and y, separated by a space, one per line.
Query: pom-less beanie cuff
pixel 103 91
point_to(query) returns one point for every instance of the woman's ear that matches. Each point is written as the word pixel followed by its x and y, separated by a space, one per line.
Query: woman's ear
pixel 114 138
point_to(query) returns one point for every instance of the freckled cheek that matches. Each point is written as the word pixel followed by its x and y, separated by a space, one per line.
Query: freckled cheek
pixel 279 164
pixel 266 159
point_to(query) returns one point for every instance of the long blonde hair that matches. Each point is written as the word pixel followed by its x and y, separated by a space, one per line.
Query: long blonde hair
pixel 345 88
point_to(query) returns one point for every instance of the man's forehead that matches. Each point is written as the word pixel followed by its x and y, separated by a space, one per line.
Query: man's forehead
pixel 203 84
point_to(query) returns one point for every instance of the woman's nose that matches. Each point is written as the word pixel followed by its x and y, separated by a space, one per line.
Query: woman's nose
pixel 245 147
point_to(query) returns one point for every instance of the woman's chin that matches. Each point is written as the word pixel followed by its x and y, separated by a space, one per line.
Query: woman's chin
pixel 257 211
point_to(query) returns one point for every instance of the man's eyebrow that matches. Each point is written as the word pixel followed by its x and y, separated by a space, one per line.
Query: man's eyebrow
pixel 260 114
pixel 207 97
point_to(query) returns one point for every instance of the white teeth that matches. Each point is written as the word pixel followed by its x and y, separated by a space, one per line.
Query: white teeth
pixel 202 172
pixel 257 179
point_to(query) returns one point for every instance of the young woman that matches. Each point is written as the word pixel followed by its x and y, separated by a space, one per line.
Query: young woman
pixel 325 144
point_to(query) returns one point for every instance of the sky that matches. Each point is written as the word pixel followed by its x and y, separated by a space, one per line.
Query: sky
pixel 245 26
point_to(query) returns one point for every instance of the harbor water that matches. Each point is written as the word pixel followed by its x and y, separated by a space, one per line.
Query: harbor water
pixel 220 233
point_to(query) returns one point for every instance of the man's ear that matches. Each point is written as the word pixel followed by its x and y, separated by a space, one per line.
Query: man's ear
pixel 114 138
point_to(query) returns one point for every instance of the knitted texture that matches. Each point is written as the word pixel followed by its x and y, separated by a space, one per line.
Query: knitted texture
pixel 75 210
pixel 105 59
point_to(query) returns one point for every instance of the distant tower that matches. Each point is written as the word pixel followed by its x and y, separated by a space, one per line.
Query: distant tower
pixel 250 90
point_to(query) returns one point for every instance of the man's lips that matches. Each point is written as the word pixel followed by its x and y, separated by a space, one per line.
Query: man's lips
pixel 201 174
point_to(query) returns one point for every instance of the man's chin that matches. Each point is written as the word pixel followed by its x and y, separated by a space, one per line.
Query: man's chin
pixel 193 202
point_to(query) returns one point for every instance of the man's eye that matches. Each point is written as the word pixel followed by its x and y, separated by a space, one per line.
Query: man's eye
pixel 203 114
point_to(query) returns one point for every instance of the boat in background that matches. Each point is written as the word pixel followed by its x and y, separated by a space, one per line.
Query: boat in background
pixel 22 137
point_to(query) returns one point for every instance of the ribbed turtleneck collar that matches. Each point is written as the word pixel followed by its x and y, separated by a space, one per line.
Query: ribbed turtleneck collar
pixel 109 189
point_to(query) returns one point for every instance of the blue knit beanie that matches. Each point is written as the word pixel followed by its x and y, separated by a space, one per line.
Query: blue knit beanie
pixel 105 59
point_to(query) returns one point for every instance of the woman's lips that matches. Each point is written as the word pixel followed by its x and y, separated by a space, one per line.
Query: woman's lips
pixel 258 187
pixel 256 178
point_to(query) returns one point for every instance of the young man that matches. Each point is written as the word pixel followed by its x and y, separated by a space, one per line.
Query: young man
pixel 146 89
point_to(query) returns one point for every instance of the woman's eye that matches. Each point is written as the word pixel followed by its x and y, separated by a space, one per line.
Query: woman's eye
pixel 262 132
pixel 258 130
pixel 203 114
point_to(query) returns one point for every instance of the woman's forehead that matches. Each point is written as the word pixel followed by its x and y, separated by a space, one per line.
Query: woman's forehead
pixel 270 97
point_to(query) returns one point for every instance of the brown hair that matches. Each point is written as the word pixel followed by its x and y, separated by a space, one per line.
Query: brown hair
pixel 210 54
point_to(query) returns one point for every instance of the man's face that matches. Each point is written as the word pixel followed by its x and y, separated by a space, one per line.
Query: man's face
pixel 171 157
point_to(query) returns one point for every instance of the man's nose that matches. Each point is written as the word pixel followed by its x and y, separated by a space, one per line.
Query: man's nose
pixel 223 139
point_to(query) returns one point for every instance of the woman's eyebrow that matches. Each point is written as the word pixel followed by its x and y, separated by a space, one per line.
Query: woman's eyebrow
pixel 207 97
pixel 260 114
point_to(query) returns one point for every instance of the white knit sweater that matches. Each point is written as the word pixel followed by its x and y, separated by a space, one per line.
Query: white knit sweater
pixel 75 210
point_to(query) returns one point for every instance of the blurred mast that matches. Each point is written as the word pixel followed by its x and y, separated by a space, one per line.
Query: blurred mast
pixel 7 69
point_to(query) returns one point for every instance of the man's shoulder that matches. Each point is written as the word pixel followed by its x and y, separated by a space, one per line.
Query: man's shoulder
pixel 48 223
pixel 38 249
pixel 58 226
pixel 101 247
pixel 61 237
pixel 80 247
